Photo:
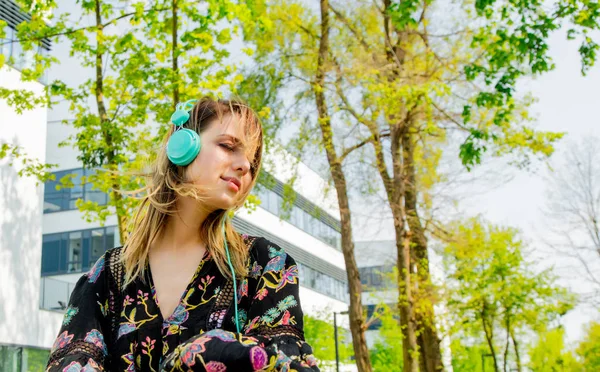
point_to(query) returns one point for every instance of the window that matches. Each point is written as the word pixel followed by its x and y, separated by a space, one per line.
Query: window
pixel 15 55
pixel 76 190
pixel 75 251
pixel 51 252
pixel 322 283
pixel 299 217
pixel 6 49
pixel 95 195
pixel 97 246
pixel 66 198
pixel 263 195
pixel 273 203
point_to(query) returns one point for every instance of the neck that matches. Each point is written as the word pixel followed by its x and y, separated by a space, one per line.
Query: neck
pixel 182 230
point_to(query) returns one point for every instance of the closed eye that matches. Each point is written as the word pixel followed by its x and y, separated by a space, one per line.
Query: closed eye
pixel 227 146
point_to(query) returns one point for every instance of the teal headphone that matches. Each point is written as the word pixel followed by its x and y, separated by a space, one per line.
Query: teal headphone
pixel 184 144
pixel 182 148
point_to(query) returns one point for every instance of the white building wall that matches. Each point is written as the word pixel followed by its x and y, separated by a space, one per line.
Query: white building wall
pixel 291 233
pixel 21 320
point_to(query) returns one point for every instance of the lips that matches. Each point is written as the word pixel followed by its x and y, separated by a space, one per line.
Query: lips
pixel 233 180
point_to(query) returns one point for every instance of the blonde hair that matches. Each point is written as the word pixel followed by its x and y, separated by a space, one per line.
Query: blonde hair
pixel 166 182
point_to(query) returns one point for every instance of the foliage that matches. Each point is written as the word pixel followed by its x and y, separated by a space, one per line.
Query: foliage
pixel 319 333
pixel 466 357
pixel 549 354
pixel 493 293
pixel 589 349
pixel 28 167
pixel 386 352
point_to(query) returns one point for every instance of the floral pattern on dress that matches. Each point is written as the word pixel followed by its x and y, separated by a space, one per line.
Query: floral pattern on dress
pixel 96 270
pixel 69 314
pixel 268 307
pixel 62 340
pixel 96 338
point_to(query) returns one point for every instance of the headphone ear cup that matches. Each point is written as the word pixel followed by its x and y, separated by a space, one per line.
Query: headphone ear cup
pixel 183 147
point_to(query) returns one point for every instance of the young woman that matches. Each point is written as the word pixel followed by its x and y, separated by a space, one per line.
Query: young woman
pixel 187 292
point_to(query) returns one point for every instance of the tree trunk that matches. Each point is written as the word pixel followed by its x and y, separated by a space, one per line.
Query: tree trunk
pixel 174 55
pixel 394 187
pixel 429 343
pixel 405 301
pixel 489 336
pixel 359 340
pixel 516 348
pixel 507 346
pixel 110 155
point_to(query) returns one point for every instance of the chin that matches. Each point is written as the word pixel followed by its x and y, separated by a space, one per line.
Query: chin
pixel 225 202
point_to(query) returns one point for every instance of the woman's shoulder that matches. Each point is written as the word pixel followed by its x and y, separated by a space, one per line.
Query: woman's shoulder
pixel 113 254
pixel 263 250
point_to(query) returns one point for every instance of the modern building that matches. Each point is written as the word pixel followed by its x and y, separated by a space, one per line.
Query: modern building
pixel 46 245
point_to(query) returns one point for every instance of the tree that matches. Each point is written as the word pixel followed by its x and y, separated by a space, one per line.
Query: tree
pixel 573 204
pixel 494 295
pixel 549 354
pixel 589 349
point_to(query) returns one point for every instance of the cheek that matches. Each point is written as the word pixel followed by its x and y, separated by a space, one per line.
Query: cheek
pixel 246 181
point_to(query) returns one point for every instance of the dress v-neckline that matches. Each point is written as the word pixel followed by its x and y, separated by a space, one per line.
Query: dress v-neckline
pixel 154 292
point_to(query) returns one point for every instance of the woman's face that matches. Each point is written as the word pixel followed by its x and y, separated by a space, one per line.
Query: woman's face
pixel 222 168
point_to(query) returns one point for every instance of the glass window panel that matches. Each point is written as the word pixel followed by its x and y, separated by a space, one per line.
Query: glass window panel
pixel 77 189
pixel 323 230
pixel 273 205
pixel 94 195
pixel 44 78
pixel 50 253
pixel 62 261
pixel 264 198
pixel 314 226
pixel 74 252
pixel 111 238
pixel 299 217
pixel 6 48
pixel 52 197
pixel 313 279
pixel 86 249
pixel 19 60
pixel 293 216
pixel 97 245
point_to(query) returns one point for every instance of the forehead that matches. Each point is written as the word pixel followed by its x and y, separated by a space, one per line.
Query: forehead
pixel 225 126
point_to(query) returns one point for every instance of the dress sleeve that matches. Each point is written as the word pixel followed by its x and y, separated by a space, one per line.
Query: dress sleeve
pixel 272 338
pixel 80 343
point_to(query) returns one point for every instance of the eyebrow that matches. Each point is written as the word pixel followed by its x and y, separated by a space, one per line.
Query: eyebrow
pixel 235 140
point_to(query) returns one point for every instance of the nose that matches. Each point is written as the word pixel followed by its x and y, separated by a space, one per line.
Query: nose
pixel 241 164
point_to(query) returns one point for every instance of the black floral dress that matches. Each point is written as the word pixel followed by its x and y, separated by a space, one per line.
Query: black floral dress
pixel 109 329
